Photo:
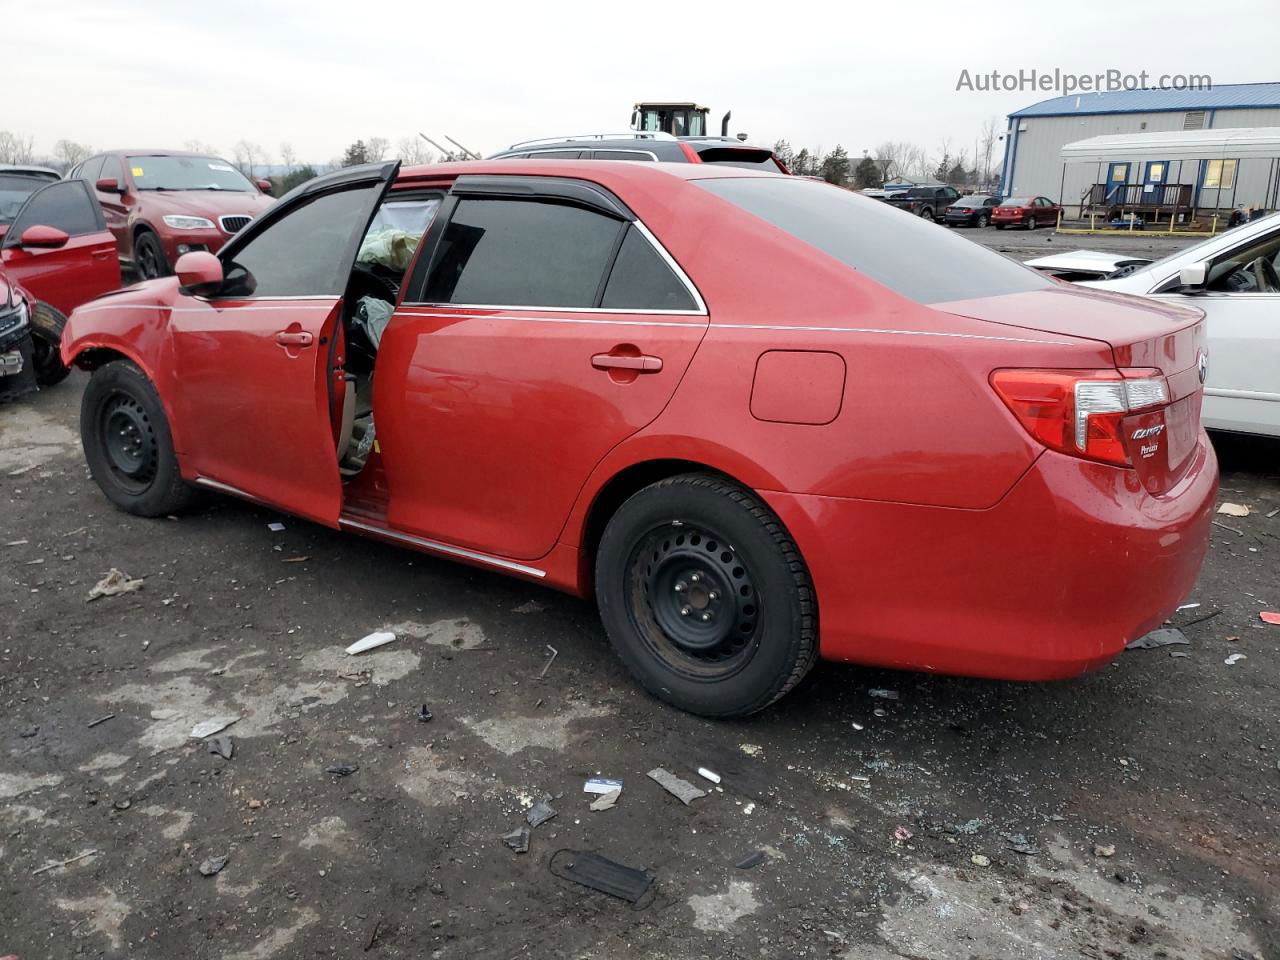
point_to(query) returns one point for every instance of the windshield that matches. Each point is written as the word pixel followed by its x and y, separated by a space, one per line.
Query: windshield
pixel 14 191
pixel 186 173
pixel 905 254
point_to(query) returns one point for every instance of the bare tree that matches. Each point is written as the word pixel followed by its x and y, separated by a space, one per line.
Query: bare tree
pixel 414 150
pixel 375 148
pixel 288 157
pixel 986 143
pixel 69 153
pixel 199 146
pixel 888 158
pixel 249 156
pixel 15 148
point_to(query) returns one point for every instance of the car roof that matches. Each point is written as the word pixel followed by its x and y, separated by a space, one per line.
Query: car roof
pixel 26 169
pixel 162 153
pixel 621 172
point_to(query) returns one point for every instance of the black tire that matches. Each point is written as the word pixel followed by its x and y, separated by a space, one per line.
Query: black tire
pixel 1032 223
pixel 705 597
pixel 127 443
pixel 983 220
pixel 47 324
pixel 148 256
pixel 927 214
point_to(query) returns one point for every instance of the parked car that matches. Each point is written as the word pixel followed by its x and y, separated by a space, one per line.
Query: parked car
pixel 927 202
pixel 1235 279
pixel 971 211
pixel 55 254
pixel 791 442
pixel 161 204
pixel 1029 212
pixel 646 147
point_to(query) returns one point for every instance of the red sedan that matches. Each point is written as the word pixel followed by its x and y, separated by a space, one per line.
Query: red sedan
pixel 760 419
pixel 1029 212
pixel 55 254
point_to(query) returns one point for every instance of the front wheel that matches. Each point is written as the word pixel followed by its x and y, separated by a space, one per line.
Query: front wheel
pixel 47 324
pixel 705 596
pixel 127 443
pixel 149 257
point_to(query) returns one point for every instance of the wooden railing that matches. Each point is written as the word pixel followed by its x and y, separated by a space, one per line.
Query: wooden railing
pixel 1136 195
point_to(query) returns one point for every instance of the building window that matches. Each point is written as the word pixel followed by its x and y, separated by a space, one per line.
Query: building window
pixel 1219 174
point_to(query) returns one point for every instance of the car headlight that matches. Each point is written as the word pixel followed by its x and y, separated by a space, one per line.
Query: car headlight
pixel 14 316
pixel 180 222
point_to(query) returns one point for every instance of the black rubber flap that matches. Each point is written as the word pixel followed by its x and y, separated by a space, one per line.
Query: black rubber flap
pixel 601 873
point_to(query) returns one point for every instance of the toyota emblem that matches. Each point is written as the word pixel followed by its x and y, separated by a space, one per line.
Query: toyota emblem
pixel 1202 365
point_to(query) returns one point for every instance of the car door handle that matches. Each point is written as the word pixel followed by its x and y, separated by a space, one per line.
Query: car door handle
pixel 642 363
pixel 294 338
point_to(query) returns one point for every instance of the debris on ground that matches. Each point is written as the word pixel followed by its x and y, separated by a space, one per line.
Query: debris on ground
pixel 902 834
pixel 540 813
pixel 978 860
pixel 341 769
pixel 1101 850
pixel 379 638
pixel 751 749
pixel 212 865
pixel 517 839
pixel 1178 654
pixel 708 775
pixel 63 863
pixel 552 659
pixel 600 873
pixel 1268 616
pixel 1019 843
pixel 682 790
pixel 424 715
pixel 103 719
pixel 601 785
pixel 1233 510
pixel 882 693
pixel 1188 606
pixel 752 860
pixel 1235 658
pixel 207 728
pixel 1164 637
pixel 529 606
pixel 222 746
pixel 606 801
pixel 276 527
pixel 112 585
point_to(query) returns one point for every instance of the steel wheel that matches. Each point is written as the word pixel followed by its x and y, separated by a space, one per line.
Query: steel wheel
pixel 129 441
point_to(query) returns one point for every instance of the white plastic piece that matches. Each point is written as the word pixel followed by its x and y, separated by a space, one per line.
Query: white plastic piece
pixel 207 728
pixel 708 775
pixel 379 638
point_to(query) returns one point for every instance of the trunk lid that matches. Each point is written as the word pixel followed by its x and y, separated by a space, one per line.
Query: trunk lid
pixel 1143 335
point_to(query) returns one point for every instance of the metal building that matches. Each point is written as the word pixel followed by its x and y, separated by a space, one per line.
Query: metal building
pixel 1035 136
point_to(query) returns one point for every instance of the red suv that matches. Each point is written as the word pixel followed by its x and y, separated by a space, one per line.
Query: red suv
pixel 161 204
pixel 759 419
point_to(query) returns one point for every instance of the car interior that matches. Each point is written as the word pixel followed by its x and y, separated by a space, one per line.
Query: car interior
pixel 1251 269
pixel 384 256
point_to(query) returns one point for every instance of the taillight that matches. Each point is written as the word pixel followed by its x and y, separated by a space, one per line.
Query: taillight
pixel 1080 412
pixel 690 154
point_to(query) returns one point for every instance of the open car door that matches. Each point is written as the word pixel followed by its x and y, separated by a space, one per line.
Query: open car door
pixel 58 246
pixel 254 360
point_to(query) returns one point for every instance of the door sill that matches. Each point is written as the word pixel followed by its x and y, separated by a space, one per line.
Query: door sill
pixel 435 546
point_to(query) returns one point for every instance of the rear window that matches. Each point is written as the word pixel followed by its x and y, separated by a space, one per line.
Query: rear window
pixel 917 192
pixel 916 259
pixel 751 158
pixel 971 201
pixel 1016 202
pixel 14 190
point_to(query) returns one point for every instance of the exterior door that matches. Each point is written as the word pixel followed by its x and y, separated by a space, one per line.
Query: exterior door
pixel 545 334
pixel 77 271
pixel 1117 180
pixel 253 360
pixel 1154 175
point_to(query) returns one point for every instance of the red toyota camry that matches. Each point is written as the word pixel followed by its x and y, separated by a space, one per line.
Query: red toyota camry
pixel 760 419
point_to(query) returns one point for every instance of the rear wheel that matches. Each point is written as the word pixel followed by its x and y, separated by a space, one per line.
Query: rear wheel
pixel 127 443
pixel 149 257
pixel 46 345
pixel 1032 222
pixel 705 596
pixel 927 213
pixel 983 220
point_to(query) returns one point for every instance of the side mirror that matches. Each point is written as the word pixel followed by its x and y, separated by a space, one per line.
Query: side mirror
pixel 1193 277
pixel 108 185
pixel 198 270
pixel 41 237
pixel 265 186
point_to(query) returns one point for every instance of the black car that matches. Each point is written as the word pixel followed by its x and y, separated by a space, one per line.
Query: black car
pixel 928 202
pixel 971 211
pixel 648 147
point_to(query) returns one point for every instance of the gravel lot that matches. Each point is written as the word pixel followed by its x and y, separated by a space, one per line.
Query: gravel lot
pixel 1132 813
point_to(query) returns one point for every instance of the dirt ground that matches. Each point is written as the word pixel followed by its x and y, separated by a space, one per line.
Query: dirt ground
pixel 1132 813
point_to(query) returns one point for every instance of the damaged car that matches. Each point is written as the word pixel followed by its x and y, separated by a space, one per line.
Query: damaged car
pixel 55 254
pixel 732 407
pixel 1235 279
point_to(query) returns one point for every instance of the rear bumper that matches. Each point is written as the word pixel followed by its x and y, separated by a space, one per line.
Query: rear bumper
pixel 1072 564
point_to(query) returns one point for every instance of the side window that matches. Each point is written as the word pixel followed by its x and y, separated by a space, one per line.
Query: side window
pixel 1254 268
pixel 66 204
pixel 641 279
pixel 305 253
pixel 620 155
pixel 112 169
pixel 396 231
pixel 89 170
pixel 521 253
pixel 555 155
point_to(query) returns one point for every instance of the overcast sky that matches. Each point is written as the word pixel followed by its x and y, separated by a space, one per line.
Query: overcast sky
pixel 318 74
